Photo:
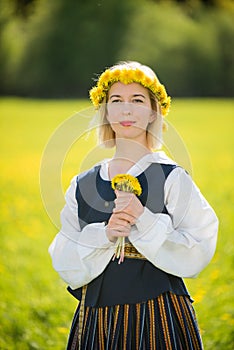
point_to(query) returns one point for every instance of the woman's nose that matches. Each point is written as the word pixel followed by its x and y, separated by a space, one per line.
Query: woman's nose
pixel 127 108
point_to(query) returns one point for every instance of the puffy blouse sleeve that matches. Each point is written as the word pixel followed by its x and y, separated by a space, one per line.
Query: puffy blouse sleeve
pixel 183 241
pixel 79 255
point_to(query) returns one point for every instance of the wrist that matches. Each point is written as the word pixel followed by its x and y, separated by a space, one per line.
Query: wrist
pixel 139 212
pixel 109 236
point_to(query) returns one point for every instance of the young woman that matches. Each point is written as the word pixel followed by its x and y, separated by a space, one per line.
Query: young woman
pixel 169 229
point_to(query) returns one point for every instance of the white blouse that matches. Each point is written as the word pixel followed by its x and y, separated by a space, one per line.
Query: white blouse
pixel 181 243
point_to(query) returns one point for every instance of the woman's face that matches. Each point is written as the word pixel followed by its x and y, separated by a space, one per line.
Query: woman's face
pixel 129 111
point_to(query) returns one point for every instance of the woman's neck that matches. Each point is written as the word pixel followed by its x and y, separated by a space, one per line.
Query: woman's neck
pixel 127 154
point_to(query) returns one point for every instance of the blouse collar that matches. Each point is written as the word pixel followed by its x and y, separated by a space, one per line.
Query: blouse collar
pixel 156 157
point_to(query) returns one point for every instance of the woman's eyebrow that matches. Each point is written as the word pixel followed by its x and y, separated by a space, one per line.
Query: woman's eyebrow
pixel 134 95
pixel 139 95
pixel 114 96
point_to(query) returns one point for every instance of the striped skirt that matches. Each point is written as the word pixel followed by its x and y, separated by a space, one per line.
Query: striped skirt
pixel 165 323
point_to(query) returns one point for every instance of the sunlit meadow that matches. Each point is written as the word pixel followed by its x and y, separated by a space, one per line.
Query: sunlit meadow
pixel 35 308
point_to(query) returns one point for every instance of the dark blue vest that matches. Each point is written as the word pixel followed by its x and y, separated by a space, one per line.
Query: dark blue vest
pixel 134 280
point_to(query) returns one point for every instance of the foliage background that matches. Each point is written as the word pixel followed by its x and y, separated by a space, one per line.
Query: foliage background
pixel 53 48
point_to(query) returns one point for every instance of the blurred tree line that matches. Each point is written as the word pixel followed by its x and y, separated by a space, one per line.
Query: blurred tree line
pixel 54 48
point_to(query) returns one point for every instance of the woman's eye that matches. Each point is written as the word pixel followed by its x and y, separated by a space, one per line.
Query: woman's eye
pixel 115 101
pixel 137 100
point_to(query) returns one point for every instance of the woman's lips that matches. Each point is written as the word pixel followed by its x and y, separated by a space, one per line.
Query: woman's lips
pixel 127 123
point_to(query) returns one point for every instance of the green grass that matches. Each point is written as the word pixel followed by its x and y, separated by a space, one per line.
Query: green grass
pixel 35 308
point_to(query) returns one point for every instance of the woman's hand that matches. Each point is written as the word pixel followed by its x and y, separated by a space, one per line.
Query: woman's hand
pixel 119 225
pixel 127 210
pixel 128 203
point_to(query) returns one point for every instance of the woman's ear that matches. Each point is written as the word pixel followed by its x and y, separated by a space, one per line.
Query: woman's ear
pixel 153 116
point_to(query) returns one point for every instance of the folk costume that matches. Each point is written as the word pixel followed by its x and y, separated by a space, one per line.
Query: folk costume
pixel 143 302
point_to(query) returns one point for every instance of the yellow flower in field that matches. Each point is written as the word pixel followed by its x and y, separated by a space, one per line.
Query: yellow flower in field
pixel 215 274
pixel 62 330
pixel 126 183
pixel 228 317
pixel 198 297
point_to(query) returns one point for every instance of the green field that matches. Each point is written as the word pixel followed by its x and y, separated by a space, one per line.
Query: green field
pixel 35 309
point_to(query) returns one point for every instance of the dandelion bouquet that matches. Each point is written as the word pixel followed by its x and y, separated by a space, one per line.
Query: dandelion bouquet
pixel 125 183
